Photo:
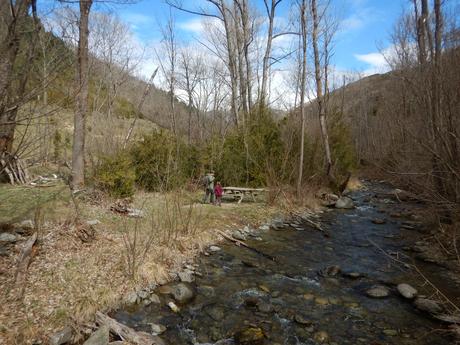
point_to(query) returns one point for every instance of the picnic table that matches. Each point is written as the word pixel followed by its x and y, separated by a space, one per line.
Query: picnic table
pixel 239 192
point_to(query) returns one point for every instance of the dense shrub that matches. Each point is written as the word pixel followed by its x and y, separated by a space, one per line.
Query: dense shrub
pixel 163 163
pixel 116 176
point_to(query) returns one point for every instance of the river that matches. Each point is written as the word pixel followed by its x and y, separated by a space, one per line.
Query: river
pixel 316 289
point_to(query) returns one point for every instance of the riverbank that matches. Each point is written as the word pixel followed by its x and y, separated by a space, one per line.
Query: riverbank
pixel 68 279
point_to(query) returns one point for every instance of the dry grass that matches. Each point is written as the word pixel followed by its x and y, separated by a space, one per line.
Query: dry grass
pixel 69 280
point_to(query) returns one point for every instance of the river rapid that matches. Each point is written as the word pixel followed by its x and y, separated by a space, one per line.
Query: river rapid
pixel 316 290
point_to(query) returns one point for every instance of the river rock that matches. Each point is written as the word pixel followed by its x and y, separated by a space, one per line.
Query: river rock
pixel 353 275
pixel 130 298
pixel 321 337
pixel 378 291
pixel 390 332
pixel 7 237
pixel 264 227
pixel 264 307
pixel 26 224
pixel 157 328
pixel 154 299
pixel 330 271
pixel 250 336
pixel 344 202
pixel 182 293
pixel 300 319
pixel 379 221
pixel 207 291
pixel 214 249
pixel 62 337
pixel 428 305
pixel 186 276
pixel 238 235
pixel 216 313
pixel 173 307
pixel 407 291
pixel 100 337
pixel 142 294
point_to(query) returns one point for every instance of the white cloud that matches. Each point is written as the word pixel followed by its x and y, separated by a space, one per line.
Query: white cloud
pixel 198 25
pixel 377 62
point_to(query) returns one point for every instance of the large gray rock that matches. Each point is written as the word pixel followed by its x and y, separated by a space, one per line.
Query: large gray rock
pixel 344 202
pixel 100 337
pixel 186 276
pixel 407 291
pixel 378 291
pixel 182 293
pixel 130 298
pixel 64 336
pixel 428 305
pixel 239 235
pixel 7 237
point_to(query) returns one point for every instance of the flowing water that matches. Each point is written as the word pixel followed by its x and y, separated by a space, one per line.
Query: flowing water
pixel 296 299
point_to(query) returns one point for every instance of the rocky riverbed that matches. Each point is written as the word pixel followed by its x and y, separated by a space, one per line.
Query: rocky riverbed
pixel 351 284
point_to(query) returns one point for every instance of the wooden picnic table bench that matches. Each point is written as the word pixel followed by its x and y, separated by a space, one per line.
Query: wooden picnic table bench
pixel 240 192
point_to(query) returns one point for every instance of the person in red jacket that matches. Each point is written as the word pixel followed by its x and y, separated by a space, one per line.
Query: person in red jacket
pixel 218 191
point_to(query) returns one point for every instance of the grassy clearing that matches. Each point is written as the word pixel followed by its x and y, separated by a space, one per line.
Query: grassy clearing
pixel 69 280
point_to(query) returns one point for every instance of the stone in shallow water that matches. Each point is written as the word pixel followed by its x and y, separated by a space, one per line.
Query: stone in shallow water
pixel 216 313
pixel 390 332
pixel 182 293
pixel 378 291
pixel 379 221
pixel 157 328
pixel 250 336
pixel 301 319
pixel 321 301
pixel 428 305
pixel 214 248
pixel 407 291
pixel 344 203
pixel 207 291
pixel 321 337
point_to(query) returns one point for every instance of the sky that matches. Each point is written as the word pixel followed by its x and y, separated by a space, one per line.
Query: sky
pixel 365 27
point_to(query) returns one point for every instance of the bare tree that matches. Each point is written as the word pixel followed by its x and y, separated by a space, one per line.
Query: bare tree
pixel 319 80
pixel 303 43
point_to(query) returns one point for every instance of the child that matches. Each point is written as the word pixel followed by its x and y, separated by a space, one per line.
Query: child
pixel 218 191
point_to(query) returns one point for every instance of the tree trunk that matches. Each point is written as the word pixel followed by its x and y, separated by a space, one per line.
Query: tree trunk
pixel 81 106
pixel 268 49
pixel 319 89
pixel 303 77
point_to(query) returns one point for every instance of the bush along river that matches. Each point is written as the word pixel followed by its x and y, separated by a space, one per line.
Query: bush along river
pixel 352 287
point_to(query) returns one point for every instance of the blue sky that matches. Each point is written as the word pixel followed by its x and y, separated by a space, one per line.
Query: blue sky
pixel 365 27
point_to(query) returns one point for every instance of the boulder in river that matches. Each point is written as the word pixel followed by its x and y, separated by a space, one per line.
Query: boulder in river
pixel 182 293
pixel 250 336
pixel 186 276
pixel 407 291
pixel 428 305
pixel 378 291
pixel 344 202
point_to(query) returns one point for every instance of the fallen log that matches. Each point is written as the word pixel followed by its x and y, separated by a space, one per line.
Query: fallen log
pixel 241 243
pixel 23 263
pixel 126 333
pixel 312 223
